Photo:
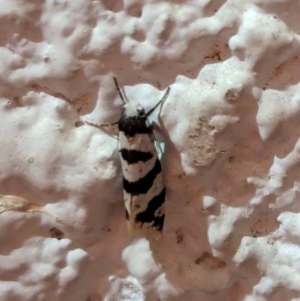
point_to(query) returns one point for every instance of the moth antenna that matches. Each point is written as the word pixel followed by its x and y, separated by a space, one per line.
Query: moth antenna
pixel 162 100
pixel 119 90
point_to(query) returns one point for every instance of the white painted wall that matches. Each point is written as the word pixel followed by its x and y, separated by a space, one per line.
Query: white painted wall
pixel 231 126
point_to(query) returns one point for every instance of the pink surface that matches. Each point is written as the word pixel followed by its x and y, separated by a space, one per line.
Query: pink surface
pixel 231 149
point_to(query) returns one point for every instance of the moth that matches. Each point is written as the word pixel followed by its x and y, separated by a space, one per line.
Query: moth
pixel 143 183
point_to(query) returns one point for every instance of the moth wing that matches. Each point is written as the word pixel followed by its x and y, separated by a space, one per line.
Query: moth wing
pixel 159 140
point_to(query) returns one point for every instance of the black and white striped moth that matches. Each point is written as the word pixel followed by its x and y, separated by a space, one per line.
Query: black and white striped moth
pixel 143 182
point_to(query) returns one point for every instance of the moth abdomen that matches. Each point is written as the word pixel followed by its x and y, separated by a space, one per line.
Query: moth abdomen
pixel 144 184
pixel 155 212
pixel 132 156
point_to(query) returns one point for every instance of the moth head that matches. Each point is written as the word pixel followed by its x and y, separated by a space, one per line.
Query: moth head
pixel 132 109
pixel 141 111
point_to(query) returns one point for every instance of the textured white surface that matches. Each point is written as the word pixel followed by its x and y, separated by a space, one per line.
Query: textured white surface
pixel 231 128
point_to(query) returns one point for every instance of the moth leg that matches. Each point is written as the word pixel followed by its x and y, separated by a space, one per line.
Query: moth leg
pixel 101 125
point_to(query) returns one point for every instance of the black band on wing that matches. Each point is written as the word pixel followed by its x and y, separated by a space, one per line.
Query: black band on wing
pixel 144 184
pixel 134 125
pixel 148 215
pixel 134 156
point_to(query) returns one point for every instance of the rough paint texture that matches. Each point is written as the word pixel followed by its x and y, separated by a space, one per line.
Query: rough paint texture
pixel 231 125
